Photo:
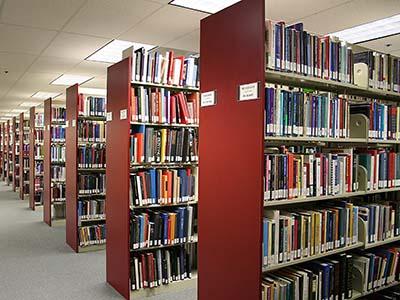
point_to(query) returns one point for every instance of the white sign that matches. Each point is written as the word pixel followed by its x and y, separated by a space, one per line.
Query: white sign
pixel 123 114
pixel 208 99
pixel 73 123
pixel 67 123
pixel 248 91
pixel 109 116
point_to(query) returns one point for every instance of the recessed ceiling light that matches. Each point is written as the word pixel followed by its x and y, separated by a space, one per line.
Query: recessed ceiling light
pixel 207 6
pixel 93 91
pixel 370 31
pixel 18 110
pixel 69 79
pixel 29 104
pixel 45 95
pixel 112 52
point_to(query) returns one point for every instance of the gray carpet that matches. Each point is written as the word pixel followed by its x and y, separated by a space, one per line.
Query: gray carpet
pixel 35 262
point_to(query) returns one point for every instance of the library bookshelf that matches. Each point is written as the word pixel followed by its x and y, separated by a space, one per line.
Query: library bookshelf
pixel 9 161
pixel 224 69
pixel 15 154
pixel 119 171
pixel 24 156
pixel 74 223
pixel 53 208
pixel 3 151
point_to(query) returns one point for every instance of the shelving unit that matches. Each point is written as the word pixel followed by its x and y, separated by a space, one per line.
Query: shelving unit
pixel 74 224
pixel 35 179
pixel 9 160
pixel 3 151
pixel 15 154
pixel 53 209
pixel 118 173
pixel 232 169
pixel 24 157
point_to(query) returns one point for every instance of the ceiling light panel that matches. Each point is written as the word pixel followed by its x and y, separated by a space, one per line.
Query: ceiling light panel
pixel 370 31
pixel 112 52
pixel 207 6
pixel 93 91
pixel 28 104
pixel 69 79
pixel 45 95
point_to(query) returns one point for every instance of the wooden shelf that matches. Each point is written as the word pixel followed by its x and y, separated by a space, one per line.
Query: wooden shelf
pixel 298 80
pixel 313 257
pixel 165 124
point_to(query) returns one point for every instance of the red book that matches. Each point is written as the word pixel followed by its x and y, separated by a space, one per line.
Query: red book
pixel 290 174
pixel 140 144
pixel 145 280
pixel 184 112
pixel 391 168
pixel 172 113
pixel 150 269
pixel 170 67
pixel 133 105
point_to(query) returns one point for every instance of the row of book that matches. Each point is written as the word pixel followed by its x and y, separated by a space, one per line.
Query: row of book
pixel 92 183
pixel 166 68
pixel 163 186
pixel 161 267
pixel 292 49
pixel 383 69
pixel 39 135
pixel 299 172
pixel 384 119
pixel 25 162
pixel 331 278
pixel 91 131
pixel 57 153
pixel 39 168
pixel 58 173
pixel 91 209
pixel 160 105
pixel 58 191
pixel 293 112
pixel 25 149
pixel 90 106
pixel 151 145
pixel 151 229
pixel 92 156
pixel 58 133
pixel 39 151
pixel 92 235
pixel 39 120
pixel 291 235
pixel 58 114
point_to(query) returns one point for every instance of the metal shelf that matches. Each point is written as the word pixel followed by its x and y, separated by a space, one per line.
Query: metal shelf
pixel 132 207
pixel 194 241
pixel 357 295
pixel 165 86
pixel 165 124
pixel 381 243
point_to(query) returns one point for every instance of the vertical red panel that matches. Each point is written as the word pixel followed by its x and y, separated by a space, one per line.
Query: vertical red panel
pixel 47 163
pixel 32 158
pixel 21 156
pixel 13 134
pixel 117 177
pixel 231 155
pixel 71 167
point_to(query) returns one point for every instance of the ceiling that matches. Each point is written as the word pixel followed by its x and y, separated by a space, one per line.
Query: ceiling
pixel 42 39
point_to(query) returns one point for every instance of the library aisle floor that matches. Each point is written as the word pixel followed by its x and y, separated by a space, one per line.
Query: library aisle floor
pixel 35 262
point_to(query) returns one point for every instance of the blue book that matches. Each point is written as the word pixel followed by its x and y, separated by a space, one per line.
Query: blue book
pixel 265 241
pixel 164 217
pixel 153 185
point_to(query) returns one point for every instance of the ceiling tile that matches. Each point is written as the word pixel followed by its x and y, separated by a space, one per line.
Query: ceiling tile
pixel 382 44
pixel 167 24
pixel 164 2
pixel 19 39
pixel 15 62
pixel 343 16
pixel 289 10
pixel 90 68
pixel 74 46
pixel 93 18
pixel 396 53
pixel 46 64
pixel 49 14
pixel 37 80
pixel 189 42
pixel 97 82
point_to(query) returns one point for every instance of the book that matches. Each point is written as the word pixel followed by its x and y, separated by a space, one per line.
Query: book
pixel 91 131
pixel 92 156
pixel 92 235
pixel 57 153
pixel 58 114
pixel 91 106
pixel 91 209
pixel 91 184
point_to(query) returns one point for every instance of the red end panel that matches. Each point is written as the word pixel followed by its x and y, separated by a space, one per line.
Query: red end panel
pixel 71 225
pixel 231 155
pixel 47 163
pixel 21 156
pixel 117 176
pixel 32 158
pixel 13 133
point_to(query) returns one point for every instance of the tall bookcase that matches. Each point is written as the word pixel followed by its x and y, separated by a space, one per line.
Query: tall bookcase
pixel 76 226
pixel 9 153
pixel 119 171
pixel 53 208
pixel 35 159
pixel 23 156
pixel 232 169
pixel 15 154
pixel 3 151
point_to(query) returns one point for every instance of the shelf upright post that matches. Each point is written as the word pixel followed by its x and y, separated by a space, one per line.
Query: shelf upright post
pixel 47 162
pixel 21 155
pixel 32 158
pixel 71 165
pixel 231 154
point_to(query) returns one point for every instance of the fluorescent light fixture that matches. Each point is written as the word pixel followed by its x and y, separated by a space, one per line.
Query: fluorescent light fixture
pixel 18 110
pixel 29 104
pixel 112 52
pixel 69 79
pixel 370 31
pixel 45 95
pixel 93 91
pixel 10 115
pixel 207 6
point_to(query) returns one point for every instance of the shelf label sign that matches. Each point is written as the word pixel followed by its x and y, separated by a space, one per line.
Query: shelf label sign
pixel 208 99
pixel 73 123
pixel 109 116
pixel 67 124
pixel 249 91
pixel 123 114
